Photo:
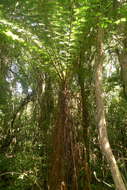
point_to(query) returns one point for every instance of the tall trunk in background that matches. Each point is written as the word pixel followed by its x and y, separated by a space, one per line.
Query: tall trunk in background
pixel 101 120
pixel 85 125
pixel 122 56
pixel 122 52
pixel 45 104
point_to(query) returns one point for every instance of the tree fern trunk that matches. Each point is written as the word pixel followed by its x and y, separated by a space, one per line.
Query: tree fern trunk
pixel 62 168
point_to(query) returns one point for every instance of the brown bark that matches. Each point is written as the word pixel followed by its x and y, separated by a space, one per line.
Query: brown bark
pixel 85 125
pixel 45 102
pixel 123 64
pixel 63 174
pixel 101 121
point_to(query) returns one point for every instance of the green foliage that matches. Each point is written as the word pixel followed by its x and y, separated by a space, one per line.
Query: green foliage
pixel 44 42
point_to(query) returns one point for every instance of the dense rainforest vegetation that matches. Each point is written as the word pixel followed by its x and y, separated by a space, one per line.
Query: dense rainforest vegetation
pixel 63 94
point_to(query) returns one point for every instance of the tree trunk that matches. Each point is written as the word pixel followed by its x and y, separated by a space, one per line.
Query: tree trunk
pixel 123 64
pixel 45 106
pixel 122 52
pixel 101 121
pixel 85 125
pixel 63 175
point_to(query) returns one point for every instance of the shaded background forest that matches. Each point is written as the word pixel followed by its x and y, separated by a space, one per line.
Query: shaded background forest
pixel 48 129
